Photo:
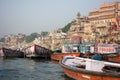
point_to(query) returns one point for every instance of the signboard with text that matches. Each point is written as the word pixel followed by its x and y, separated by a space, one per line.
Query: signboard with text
pixel 106 49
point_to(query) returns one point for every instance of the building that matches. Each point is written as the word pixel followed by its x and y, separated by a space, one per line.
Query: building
pixel 104 21
pixel 58 37
pixel 107 12
pixel 14 41
pixel 88 33
pixel 77 26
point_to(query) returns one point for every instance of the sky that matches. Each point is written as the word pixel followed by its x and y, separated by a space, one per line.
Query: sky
pixel 29 16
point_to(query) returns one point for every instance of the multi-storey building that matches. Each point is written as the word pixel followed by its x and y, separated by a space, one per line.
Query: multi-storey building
pixel 88 32
pixel 107 12
pixel 53 40
pixel 14 41
pixel 103 19
pixel 77 26
pixel 58 37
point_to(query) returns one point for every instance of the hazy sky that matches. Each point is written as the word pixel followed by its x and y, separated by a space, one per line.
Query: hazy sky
pixel 28 16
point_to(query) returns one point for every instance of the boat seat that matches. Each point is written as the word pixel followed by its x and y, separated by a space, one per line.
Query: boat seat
pixel 112 69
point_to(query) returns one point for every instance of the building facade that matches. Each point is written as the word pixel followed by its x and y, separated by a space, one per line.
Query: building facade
pixel 104 21
pixel 107 12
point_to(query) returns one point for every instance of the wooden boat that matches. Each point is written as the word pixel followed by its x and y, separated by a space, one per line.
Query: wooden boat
pixel 113 58
pixel 4 52
pixel 110 52
pixel 59 56
pixel 88 69
pixel 37 51
pixel 68 49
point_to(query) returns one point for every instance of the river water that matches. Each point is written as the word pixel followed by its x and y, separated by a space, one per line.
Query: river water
pixel 30 69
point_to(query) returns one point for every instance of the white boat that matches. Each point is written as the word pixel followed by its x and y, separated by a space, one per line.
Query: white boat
pixel 37 51
pixel 88 69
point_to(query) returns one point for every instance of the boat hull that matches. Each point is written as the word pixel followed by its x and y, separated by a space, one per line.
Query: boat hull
pixel 81 76
pixel 115 58
pixel 80 73
pixel 37 51
pixel 10 53
pixel 59 56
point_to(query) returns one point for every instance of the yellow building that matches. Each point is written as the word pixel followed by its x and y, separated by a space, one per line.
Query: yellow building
pixel 102 20
pixel 107 12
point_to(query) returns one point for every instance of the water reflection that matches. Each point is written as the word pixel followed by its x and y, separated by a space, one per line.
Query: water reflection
pixel 30 69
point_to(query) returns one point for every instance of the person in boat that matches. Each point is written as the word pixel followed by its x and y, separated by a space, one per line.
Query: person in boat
pixel 97 57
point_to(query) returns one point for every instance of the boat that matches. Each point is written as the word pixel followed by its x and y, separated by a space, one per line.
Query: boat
pixel 59 56
pixel 35 51
pixel 113 58
pixel 5 52
pixel 110 52
pixel 88 69
pixel 68 50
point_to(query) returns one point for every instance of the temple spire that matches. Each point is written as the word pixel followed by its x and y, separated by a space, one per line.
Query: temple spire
pixel 78 21
pixel 78 15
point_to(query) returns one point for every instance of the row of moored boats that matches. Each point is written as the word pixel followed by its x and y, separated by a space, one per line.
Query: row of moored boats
pixel 31 51
pixel 102 63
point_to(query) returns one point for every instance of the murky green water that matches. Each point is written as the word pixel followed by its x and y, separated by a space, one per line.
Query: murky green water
pixel 29 69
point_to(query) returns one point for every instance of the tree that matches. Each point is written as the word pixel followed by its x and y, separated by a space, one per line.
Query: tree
pixel 31 37
pixel 67 27
pixel 44 33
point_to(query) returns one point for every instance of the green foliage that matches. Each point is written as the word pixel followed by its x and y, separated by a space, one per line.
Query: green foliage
pixel 67 27
pixel 44 33
pixel 31 37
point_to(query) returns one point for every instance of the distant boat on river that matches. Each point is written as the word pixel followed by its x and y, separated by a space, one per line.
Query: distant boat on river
pixel 67 50
pixel 37 51
pixel 5 52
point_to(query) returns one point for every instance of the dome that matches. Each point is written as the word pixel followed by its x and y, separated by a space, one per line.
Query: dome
pixel 76 38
